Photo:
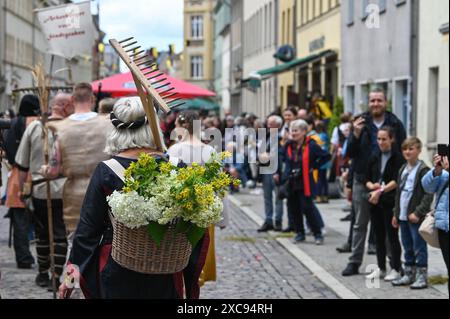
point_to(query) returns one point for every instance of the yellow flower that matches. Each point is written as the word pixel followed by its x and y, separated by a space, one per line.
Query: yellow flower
pixel 166 168
pixel 225 155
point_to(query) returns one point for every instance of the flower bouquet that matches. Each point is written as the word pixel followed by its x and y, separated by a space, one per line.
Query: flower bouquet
pixel 163 211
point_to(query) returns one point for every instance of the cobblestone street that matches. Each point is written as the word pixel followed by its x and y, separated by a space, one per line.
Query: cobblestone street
pixel 249 266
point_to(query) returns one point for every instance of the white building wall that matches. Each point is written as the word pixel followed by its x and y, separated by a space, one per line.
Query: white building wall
pixel 260 18
pixel 432 119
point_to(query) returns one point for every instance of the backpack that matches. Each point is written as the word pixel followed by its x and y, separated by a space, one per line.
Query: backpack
pixel 13 138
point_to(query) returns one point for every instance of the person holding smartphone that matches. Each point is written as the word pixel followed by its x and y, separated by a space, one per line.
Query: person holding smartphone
pixel 436 182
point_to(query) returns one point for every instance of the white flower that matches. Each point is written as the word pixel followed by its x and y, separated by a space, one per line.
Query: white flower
pixel 209 216
pixel 133 210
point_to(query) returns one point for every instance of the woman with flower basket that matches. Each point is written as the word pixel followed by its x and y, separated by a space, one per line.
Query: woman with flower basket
pixel 141 217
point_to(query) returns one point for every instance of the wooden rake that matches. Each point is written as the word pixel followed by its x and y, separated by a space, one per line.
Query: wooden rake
pixel 152 85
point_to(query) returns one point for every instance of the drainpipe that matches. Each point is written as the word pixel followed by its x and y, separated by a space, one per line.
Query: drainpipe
pixel 414 64
pixel 275 84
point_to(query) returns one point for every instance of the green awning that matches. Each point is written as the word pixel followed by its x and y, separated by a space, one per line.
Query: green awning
pixel 266 73
pixel 199 104
pixel 287 66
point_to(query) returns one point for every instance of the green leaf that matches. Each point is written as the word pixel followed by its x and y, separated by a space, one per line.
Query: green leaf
pixel 182 226
pixel 194 234
pixel 156 232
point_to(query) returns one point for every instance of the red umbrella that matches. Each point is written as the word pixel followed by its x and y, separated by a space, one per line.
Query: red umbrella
pixel 123 85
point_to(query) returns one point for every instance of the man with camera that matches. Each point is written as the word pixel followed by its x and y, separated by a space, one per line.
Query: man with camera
pixel 362 144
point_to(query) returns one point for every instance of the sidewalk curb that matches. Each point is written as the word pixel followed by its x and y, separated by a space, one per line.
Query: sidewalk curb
pixel 335 285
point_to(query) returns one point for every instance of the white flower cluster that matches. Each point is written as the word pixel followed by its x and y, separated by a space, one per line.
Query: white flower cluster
pixel 135 211
pixel 210 216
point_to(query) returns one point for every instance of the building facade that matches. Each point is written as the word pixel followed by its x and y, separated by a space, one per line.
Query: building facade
pixel 318 32
pixel 260 43
pixel 222 54
pixel 22 44
pixel 433 91
pixel 286 34
pixel 380 42
pixel 198 42
pixel 237 57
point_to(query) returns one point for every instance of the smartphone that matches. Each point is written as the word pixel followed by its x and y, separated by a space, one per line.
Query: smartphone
pixel 443 150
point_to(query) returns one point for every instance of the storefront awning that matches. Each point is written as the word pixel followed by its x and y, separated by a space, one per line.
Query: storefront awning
pixel 255 81
pixel 199 104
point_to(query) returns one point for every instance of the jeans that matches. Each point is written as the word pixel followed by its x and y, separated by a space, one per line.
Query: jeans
pixel 21 220
pixel 299 205
pixel 416 251
pixel 362 219
pixel 270 188
pixel 382 222
pixel 443 241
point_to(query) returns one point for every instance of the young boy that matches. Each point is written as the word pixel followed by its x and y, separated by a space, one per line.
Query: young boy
pixel 412 204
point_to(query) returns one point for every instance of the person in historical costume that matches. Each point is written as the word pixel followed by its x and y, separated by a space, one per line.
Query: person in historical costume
pixel 192 150
pixel 29 159
pixel 80 144
pixel 99 275
pixel 29 111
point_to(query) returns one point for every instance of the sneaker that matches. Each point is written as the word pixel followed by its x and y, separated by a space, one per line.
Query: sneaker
pixel 376 274
pixel 421 279
pixel 299 238
pixel 407 279
pixel 318 240
pixel 350 270
pixel 345 248
pixel 288 230
pixel 43 280
pixel 393 275
pixel 265 228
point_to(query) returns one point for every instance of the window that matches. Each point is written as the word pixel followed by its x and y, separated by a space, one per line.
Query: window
pixel 197 27
pixel 364 5
pixel 350 99
pixel 364 97
pixel 197 67
pixel 433 100
pixel 350 12
pixel 382 4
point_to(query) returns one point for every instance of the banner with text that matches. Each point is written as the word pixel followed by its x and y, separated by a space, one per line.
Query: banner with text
pixel 69 29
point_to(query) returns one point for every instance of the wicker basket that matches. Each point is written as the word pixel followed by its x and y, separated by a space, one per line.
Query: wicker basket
pixel 135 250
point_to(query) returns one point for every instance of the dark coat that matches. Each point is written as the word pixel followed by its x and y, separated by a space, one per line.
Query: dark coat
pixel 390 174
pixel 317 158
pixel 361 149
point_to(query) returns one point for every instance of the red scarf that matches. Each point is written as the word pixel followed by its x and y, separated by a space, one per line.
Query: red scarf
pixel 305 165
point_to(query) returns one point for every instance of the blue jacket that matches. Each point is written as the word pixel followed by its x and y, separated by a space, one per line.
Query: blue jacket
pixel 435 185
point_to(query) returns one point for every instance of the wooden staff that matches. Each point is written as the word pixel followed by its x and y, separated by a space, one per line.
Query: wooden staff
pixel 42 82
